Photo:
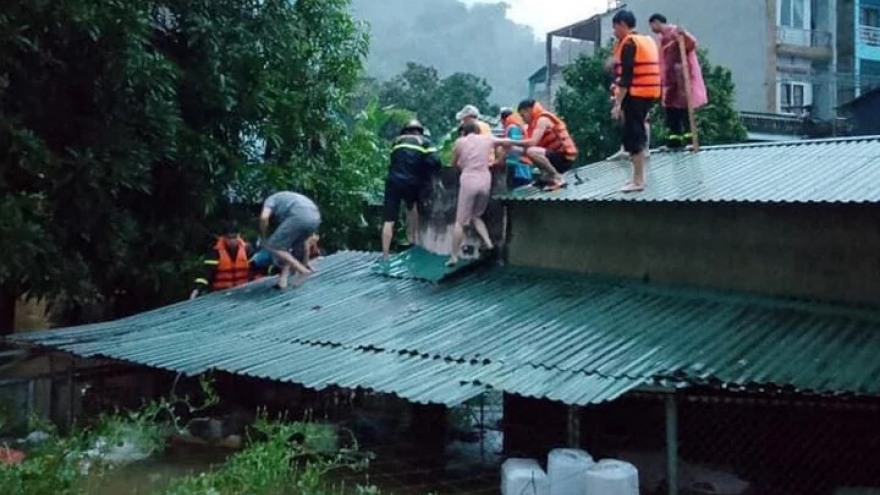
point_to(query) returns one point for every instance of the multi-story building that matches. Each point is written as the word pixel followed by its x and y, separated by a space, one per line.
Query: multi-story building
pixel 782 53
pixel 858 48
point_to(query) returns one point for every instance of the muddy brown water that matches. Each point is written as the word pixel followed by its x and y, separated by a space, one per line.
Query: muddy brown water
pixel 466 469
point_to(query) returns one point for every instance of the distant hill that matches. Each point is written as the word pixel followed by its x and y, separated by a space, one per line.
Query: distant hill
pixel 453 38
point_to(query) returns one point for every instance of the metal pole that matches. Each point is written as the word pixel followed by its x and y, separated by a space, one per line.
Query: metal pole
pixel 672 444
pixel 574 427
pixel 482 426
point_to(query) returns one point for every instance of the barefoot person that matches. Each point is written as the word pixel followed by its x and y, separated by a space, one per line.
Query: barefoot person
pixel 298 219
pixel 471 156
pixel 637 70
pixel 548 143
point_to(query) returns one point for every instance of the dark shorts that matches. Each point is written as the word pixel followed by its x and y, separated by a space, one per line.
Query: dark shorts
pixel 395 192
pixel 559 161
pixel 635 113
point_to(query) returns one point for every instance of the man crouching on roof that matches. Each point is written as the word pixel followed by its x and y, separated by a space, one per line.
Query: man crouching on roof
pixel 298 220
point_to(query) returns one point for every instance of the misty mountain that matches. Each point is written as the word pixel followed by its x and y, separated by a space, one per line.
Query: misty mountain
pixel 453 38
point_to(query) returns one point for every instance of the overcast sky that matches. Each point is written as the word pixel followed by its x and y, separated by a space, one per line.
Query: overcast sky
pixel 547 15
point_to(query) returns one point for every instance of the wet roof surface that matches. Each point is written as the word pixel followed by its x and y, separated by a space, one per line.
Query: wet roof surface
pixel 830 170
pixel 419 263
pixel 570 338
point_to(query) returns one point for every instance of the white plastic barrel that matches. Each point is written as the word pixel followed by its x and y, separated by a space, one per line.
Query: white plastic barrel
pixel 567 471
pixel 523 477
pixel 612 477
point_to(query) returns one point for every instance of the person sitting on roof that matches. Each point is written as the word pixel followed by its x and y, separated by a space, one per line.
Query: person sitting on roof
pixel 519 166
pixel 298 219
pixel 414 161
pixel 547 143
pixel 228 264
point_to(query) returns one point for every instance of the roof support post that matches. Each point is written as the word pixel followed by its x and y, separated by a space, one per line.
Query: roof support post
pixel 574 427
pixel 549 77
pixel 672 443
pixel 71 371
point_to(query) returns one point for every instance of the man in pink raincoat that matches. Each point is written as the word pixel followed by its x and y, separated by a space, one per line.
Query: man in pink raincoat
pixel 674 92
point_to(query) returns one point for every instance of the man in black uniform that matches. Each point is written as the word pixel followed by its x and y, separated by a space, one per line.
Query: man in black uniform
pixel 413 161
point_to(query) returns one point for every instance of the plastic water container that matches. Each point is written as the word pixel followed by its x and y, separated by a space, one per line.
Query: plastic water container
pixel 612 477
pixel 523 477
pixel 567 471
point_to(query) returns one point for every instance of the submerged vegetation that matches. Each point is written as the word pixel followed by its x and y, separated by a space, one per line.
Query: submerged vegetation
pixel 279 457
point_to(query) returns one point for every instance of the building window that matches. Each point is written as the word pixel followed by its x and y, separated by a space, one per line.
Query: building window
pixel 870 16
pixel 794 14
pixel 794 97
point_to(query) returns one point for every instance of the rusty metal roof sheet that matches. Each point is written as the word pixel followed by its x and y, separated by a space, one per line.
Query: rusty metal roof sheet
pixel 827 170
pixel 569 338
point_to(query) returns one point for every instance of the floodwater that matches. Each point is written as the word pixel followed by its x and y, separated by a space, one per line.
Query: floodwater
pixel 399 468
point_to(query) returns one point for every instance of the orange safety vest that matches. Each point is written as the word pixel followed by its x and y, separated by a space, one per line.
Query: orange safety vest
pixel 556 138
pixel 646 71
pixel 231 273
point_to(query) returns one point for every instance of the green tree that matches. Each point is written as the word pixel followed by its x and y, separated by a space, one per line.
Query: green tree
pixel 435 101
pixel 584 103
pixel 130 128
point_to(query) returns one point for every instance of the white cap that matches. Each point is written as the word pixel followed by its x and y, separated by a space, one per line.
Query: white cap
pixel 468 111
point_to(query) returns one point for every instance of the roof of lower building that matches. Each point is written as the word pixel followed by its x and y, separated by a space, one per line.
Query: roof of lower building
pixel 574 339
pixel 840 170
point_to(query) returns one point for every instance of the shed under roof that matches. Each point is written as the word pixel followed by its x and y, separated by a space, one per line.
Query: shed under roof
pixel 843 170
pixel 573 339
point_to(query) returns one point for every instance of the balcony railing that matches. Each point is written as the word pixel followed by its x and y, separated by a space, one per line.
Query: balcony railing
pixel 803 37
pixel 771 123
pixel 869 35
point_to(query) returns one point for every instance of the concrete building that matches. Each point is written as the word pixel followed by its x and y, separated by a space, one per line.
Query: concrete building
pixel 858 48
pixel 782 53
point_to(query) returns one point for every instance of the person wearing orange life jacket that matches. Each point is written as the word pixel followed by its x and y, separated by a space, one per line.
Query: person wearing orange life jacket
pixel 548 143
pixel 227 264
pixel 519 166
pixel 637 71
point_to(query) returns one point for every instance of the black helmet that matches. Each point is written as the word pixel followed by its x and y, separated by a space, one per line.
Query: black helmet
pixel 413 125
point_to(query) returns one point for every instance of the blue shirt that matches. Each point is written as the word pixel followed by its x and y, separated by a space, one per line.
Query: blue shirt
pixel 520 171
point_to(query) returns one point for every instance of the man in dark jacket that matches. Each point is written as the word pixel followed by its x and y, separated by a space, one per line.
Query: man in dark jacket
pixel 413 161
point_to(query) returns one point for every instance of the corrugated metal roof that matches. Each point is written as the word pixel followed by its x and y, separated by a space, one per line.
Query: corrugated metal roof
pixel 828 170
pixel 419 263
pixel 573 339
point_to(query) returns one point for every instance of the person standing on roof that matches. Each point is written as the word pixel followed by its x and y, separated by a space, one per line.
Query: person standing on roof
pixel 414 161
pixel 470 155
pixel 471 114
pixel 519 167
pixel 675 97
pixel 637 67
pixel 547 143
pixel 298 219
pixel 228 264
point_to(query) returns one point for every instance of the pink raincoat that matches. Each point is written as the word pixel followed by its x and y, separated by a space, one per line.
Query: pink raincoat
pixel 673 76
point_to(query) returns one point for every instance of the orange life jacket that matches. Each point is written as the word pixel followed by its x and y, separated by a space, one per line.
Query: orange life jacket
pixel 556 138
pixel 646 70
pixel 231 273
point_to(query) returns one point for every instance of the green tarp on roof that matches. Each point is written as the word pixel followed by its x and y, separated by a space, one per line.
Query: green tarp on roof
pixel 568 338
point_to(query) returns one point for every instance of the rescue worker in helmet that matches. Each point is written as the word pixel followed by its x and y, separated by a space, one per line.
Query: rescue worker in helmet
pixel 227 264
pixel 413 162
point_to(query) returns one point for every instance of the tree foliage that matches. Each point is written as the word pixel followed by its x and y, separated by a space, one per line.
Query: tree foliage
pixel 584 103
pixel 130 128
pixel 433 100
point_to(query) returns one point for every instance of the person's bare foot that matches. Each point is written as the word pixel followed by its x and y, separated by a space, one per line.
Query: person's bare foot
pixel 632 186
pixel 282 283
pixel 453 260
pixel 619 155
pixel 299 279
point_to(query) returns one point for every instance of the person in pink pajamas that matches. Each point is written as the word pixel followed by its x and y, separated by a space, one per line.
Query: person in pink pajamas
pixel 471 156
